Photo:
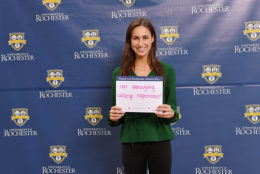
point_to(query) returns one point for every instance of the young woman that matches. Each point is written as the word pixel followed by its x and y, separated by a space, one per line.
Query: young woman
pixel 145 137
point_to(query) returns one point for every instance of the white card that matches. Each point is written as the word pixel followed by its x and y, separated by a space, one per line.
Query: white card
pixel 139 93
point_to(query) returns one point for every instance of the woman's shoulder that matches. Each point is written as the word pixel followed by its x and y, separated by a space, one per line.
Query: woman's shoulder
pixel 166 67
pixel 116 71
pixel 169 73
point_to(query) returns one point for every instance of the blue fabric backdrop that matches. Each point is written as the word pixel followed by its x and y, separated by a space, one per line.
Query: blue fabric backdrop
pixel 57 57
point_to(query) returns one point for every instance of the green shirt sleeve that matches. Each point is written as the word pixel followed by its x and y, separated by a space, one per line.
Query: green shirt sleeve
pixel 115 73
pixel 170 91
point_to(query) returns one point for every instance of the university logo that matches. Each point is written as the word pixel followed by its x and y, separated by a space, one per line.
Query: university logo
pixel 20 116
pixel 90 38
pixel 169 34
pixel 211 73
pixel 93 115
pixel 55 77
pixel 128 3
pixel 252 30
pixel 17 41
pixel 58 153
pixel 253 113
pixel 213 153
pixel 51 4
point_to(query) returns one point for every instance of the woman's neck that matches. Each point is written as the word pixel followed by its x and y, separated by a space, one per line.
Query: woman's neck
pixel 141 61
pixel 142 67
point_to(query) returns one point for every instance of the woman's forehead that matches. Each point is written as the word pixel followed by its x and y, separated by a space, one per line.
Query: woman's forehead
pixel 140 31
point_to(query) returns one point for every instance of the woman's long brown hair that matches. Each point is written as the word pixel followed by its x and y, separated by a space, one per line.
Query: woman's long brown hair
pixel 128 61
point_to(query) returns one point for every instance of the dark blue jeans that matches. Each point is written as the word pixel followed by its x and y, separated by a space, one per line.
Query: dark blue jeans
pixel 156 155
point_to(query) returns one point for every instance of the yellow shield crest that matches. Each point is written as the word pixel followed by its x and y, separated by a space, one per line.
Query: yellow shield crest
pixel 128 3
pixel 51 4
pixel 213 153
pixel 253 113
pixel 58 153
pixel 93 115
pixel 211 73
pixel 20 116
pixel 90 38
pixel 16 40
pixel 252 30
pixel 169 34
pixel 55 77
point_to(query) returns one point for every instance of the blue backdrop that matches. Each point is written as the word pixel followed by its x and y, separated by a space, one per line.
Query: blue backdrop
pixel 57 57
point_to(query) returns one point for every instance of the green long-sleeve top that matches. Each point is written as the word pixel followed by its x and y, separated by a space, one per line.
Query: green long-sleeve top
pixel 147 127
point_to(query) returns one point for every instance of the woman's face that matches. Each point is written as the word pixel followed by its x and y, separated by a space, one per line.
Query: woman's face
pixel 141 41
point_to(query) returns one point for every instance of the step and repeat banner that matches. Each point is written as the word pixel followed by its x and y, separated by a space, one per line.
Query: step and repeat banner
pixel 57 57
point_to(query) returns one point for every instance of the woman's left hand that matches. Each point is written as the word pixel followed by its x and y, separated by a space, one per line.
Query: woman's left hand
pixel 164 111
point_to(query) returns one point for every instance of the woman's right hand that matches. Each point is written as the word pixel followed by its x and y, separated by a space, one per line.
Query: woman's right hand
pixel 116 113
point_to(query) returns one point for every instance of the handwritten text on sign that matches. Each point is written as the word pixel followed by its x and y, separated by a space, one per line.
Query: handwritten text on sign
pixel 138 93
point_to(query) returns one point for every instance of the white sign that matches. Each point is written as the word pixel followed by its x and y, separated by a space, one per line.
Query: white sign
pixel 138 93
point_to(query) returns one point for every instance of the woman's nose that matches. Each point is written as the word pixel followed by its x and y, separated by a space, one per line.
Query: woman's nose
pixel 141 42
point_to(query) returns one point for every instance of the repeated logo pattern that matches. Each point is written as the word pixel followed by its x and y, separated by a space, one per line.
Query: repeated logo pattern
pixel 253 113
pixel 58 153
pixel 90 38
pixel 55 77
pixel 128 3
pixel 93 115
pixel 213 153
pixel 211 73
pixel 252 30
pixel 20 116
pixel 169 34
pixel 17 41
pixel 51 4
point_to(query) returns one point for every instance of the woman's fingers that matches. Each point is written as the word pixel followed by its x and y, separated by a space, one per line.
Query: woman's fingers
pixel 164 111
pixel 116 113
pixel 116 108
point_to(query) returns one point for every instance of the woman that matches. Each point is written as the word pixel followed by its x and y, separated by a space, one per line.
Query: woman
pixel 145 137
